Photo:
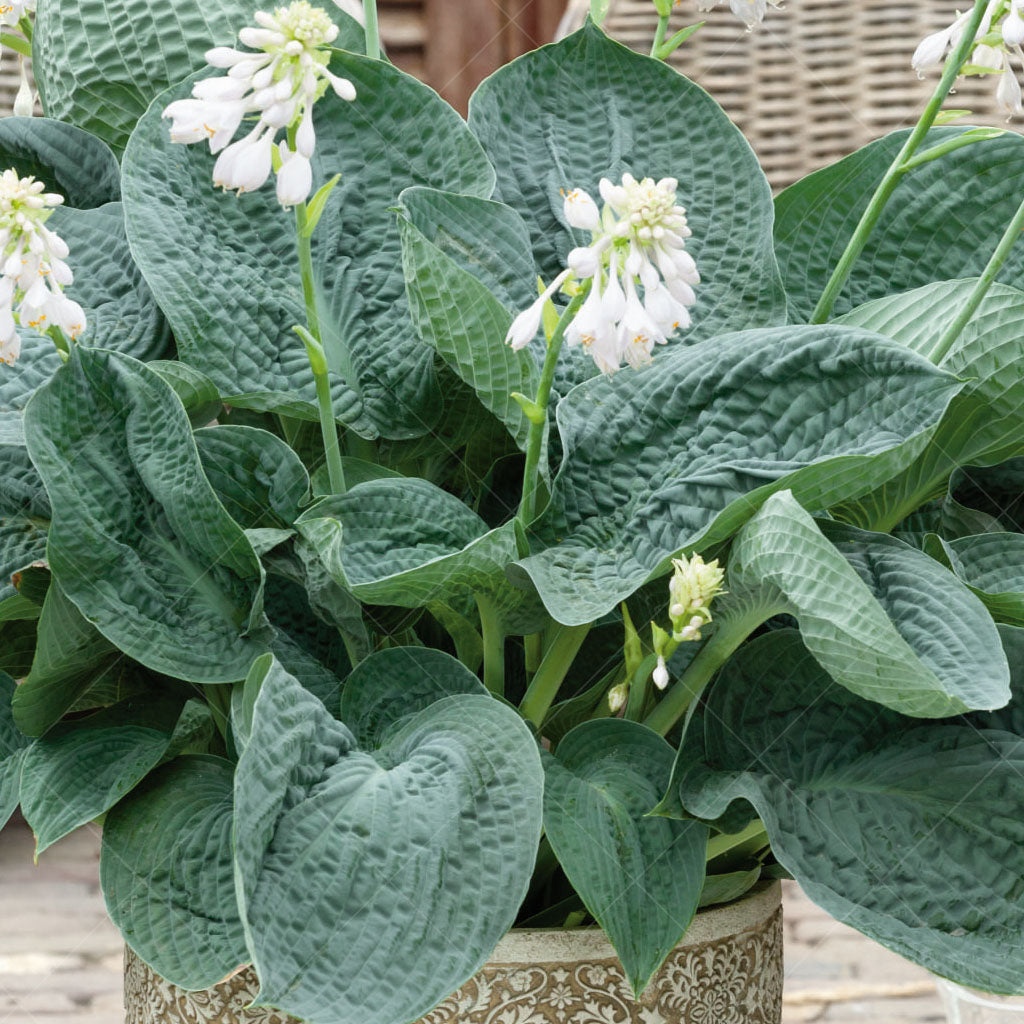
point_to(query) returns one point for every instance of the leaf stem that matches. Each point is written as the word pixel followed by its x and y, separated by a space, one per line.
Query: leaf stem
pixel 543 688
pixel 659 35
pixel 981 289
pixel 372 30
pixel 535 440
pixel 315 352
pixel 494 645
pixel 898 168
pixel 729 634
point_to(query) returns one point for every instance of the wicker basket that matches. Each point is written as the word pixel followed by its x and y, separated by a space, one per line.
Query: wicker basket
pixel 818 79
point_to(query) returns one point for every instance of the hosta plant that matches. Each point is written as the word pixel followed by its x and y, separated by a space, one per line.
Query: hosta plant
pixel 412 527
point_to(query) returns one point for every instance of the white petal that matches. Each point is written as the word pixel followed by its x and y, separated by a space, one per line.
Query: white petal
pixel 525 326
pixel 305 137
pixel 584 261
pixel 1013 29
pixel 1008 92
pixel 342 86
pixel 930 50
pixel 225 57
pixel 294 181
pixel 223 87
pixel 261 38
pixel 581 211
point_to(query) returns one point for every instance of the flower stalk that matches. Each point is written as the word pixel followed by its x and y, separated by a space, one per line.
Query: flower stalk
pixel 981 289
pixel 494 645
pixel 372 29
pixel 328 425
pixel 898 168
pixel 543 688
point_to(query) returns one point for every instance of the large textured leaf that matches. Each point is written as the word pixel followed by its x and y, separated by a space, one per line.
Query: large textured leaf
pixel 641 877
pixel 907 831
pixel 230 285
pixel 883 618
pixel 984 424
pixel 80 769
pixel 139 541
pixel 167 875
pixel 39 359
pixel 680 454
pixel 992 565
pixel 949 213
pixel 24 514
pixel 99 66
pixel 997 491
pixel 260 480
pixel 66 159
pixel 13 744
pixel 569 114
pixel 375 879
pixel 455 310
pixel 405 542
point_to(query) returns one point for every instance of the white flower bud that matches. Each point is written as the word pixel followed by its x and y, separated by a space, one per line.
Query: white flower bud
pixel 581 210
pixel 660 674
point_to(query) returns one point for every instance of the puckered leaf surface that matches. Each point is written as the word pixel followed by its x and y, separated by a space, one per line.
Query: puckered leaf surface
pixel 376 877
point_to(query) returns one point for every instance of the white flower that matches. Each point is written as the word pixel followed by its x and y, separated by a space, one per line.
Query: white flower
pixel 24 101
pixel 996 58
pixel 581 211
pixel 694 585
pixel 33 271
pixel 660 674
pixel 750 12
pixel 278 79
pixel 617 697
pixel 12 11
pixel 525 326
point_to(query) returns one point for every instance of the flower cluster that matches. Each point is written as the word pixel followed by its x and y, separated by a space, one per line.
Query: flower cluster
pixel 693 587
pixel 33 269
pixel 999 38
pixel 750 12
pixel 638 241
pixel 12 11
pixel 280 79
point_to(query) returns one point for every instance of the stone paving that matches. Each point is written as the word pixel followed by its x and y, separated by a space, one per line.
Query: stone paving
pixel 60 958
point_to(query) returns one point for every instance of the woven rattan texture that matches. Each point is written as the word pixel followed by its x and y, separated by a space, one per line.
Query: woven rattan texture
pixel 817 80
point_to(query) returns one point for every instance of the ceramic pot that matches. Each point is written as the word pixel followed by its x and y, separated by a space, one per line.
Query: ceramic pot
pixel 727 970
pixel 968 1006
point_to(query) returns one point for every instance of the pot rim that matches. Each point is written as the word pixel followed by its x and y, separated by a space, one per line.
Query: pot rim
pixel 558 945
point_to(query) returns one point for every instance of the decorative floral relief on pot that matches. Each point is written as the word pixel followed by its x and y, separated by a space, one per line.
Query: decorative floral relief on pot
pixel 732 978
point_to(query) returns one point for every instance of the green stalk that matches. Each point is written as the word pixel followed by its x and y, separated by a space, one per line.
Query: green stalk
pixel 728 636
pixel 494 645
pixel 543 688
pixel 981 289
pixel 717 845
pixel 538 423
pixel 895 173
pixel 315 351
pixel 659 35
pixel 16 43
pixel 372 31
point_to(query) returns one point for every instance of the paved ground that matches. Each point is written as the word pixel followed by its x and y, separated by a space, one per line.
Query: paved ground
pixel 60 958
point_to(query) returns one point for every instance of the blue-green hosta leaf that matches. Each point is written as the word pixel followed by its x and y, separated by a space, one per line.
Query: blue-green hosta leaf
pixel 260 480
pixel 167 874
pixel 139 541
pixel 992 565
pixel 907 831
pixel 456 311
pixel 406 542
pixel 37 364
pixel 99 66
pixel 374 880
pixel 680 454
pixel 948 213
pixel 1010 718
pixel 194 390
pixel 397 682
pixel 996 490
pixel 984 424
pixel 641 877
pixel 881 617
pixel 80 769
pixel 530 118
pixel 24 514
pixel 68 160
pixel 230 284
pixel 13 744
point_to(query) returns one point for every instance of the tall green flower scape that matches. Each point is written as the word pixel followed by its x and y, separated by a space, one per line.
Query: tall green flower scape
pixel 413 527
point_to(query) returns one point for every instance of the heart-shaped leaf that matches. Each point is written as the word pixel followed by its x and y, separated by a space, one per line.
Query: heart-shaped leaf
pixel 374 881
pixel 167 875
pixel 884 619
pixel 80 769
pixel 24 514
pixel 641 877
pixel 880 820
pixel 992 565
pixel 139 541
pixel 405 542
pixel 231 286
pixel 528 117
pixel 680 454
pixel 947 213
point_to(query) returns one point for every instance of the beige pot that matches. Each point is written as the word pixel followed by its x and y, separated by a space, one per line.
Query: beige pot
pixel 727 970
